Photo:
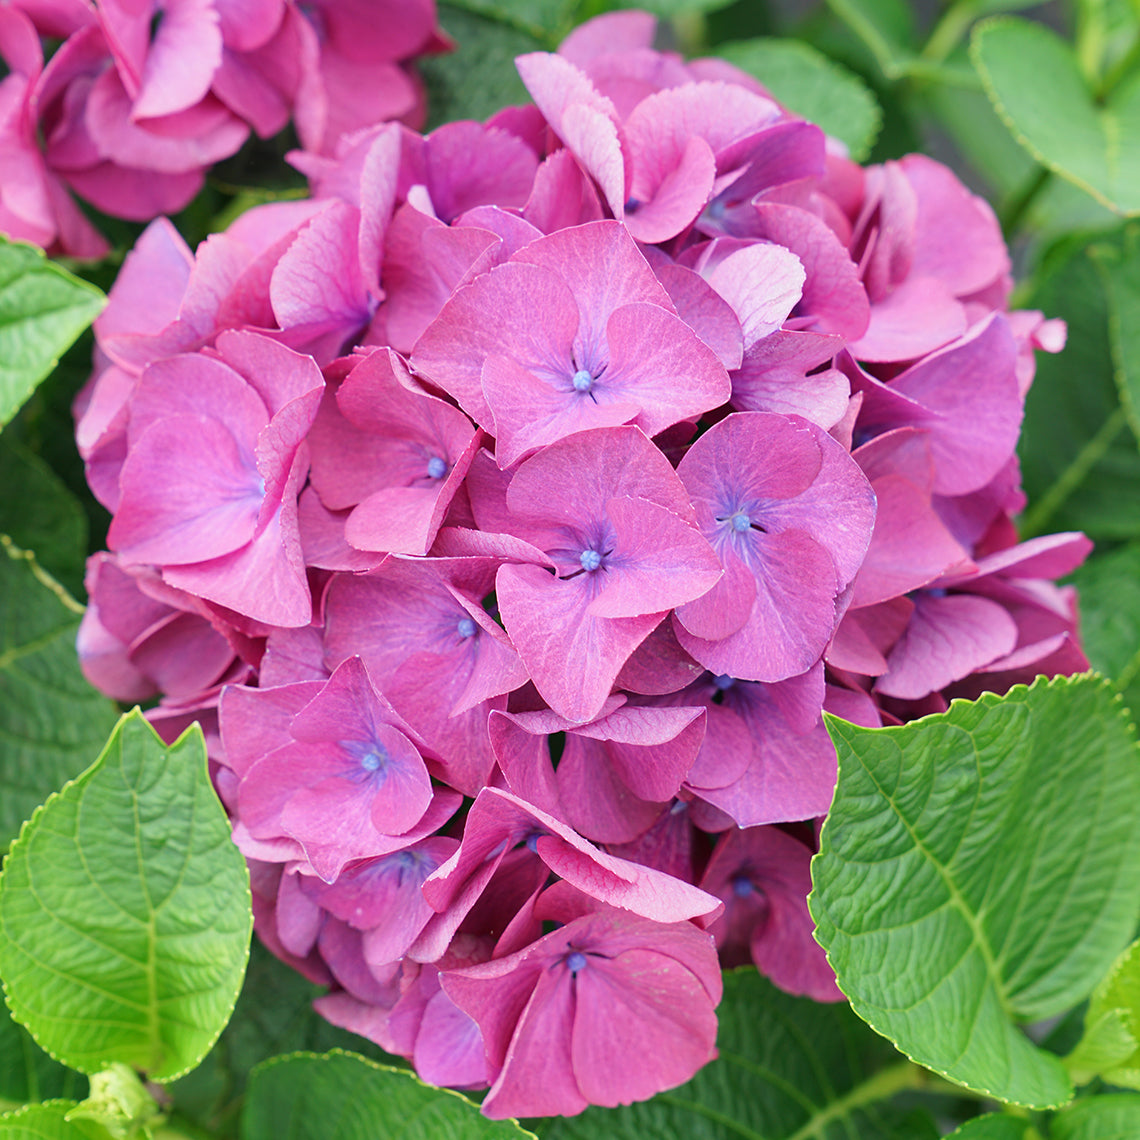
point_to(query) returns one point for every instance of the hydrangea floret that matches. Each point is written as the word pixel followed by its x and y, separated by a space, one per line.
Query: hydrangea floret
pixel 510 512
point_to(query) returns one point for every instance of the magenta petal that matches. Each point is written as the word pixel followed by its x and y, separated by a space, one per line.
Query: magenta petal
pixel 572 658
pixel 184 54
pixel 917 317
pixel 674 197
pixel 946 639
pixel 645 1005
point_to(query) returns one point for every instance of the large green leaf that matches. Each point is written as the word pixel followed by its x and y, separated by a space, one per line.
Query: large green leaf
pixel 479 77
pixel 125 911
pixel 42 310
pixel 788 1067
pixel 340 1096
pixel 993 1126
pixel 1097 147
pixel 542 19
pixel 45 517
pixel 809 84
pixel 1113 1117
pixel 982 868
pixel 51 721
pixel 1079 461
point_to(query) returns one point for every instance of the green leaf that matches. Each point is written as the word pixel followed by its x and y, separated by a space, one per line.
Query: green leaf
pixel 1110 1047
pixel 667 9
pixel 51 721
pixel 48 1122
pixel 788 1068
pixel 1113 1117
pixel 125 910
pixel 1079 461
pixel 479 77
pixel 885 26
pixel 1058 122
pixel 45 517
pixel 977 869
pixel 274 1015
pixel 542 19
pixel 809 84
pixel 992 1126
pixel 1120 270
pixel 340 1096
pixel 27 1073
pixel 42 310
pixel 1109 589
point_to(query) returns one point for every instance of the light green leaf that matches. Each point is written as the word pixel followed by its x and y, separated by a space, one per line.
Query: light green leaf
pixel 45 517
pixel 51 721
pixel 788 1068
pixel 1119 264
pixel 42 310
pixel 809 84
pixel 885 26
pixel 1110 1047
pixel 340 1096
pixel 978 869
pixel 1079 461
pixel 125 910
pixel 992 1126
pixel 1112 1117
pixel 479 77
pixel 1095 147
pixel 48 1122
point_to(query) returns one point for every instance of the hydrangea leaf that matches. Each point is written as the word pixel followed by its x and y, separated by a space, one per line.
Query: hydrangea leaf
pixel 1110 1046
pixel 955 899
pixel 788 1067
pixel 479 77
pixel 48 1122
pixel 1112 1117
pixel 27 1073
pixel 669 8
pixel 1120 270
pixel 342 1096
pixel 45 517
pixel 1096 147
pixel 1079 461
pixel 1109 589
pixel 811 85
pixel 125 910
pixel 993 1126
pixel 51 721
pixel 538 18
pixel 43 308
pixel 274 1015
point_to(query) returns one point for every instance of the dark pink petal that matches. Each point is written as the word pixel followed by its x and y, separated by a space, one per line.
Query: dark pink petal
pixel 184 53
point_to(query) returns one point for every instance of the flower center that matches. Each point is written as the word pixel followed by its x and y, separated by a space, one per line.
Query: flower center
pixel 582 381
pixel 743 887
pixel 575 961
pixel 590 559
pixel 436 467
pixel 466 627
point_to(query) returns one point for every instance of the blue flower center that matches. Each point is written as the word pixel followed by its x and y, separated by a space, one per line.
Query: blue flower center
pixel 466 627
pixel 590 559
pixel 724 681
pixel 582 381
pixel 436 467
pixel 372 761
pixel 575 961
pixel 742 888
pixel 740 522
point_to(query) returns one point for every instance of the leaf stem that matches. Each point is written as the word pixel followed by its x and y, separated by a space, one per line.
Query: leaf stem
pixel 881 1086
pixel 950 30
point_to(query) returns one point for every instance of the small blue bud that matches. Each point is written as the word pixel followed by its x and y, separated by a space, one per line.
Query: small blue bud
pixel 590 559
pixel 437 468
pixel 466 627
pixel 576 961
pixel 742 887
pixel 582 381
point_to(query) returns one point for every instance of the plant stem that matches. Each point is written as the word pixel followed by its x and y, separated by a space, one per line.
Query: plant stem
pixel 948 32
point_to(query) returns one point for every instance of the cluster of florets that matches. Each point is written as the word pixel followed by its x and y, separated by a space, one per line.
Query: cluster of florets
pixel 142 96
pixel 510 511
